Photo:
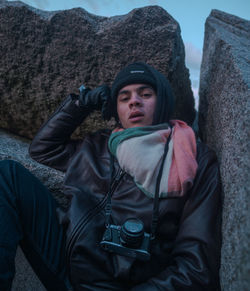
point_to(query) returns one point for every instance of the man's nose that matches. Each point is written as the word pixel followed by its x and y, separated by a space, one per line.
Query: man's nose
pixel 135 100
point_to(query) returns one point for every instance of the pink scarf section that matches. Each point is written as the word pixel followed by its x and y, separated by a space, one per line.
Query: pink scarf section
pixel 184 165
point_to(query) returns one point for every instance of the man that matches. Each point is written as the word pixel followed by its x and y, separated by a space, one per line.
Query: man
pixel 144 209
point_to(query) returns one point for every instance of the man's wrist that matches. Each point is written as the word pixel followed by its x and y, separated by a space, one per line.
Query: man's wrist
pixel 73 108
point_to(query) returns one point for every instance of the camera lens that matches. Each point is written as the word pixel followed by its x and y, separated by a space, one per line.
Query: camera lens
pixel 132 232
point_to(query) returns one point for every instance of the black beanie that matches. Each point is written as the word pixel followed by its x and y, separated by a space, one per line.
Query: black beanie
pixel 135 73
pixel 142 73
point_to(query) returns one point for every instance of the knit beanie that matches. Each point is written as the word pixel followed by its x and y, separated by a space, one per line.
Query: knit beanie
pixel 135 73
pixel 142 73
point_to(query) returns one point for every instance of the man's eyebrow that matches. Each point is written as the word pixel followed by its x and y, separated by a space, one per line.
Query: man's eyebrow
pixel 123 92
pixel 138 89
pixel 145 87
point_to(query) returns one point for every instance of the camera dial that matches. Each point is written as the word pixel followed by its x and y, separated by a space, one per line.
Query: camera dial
pixel 132 232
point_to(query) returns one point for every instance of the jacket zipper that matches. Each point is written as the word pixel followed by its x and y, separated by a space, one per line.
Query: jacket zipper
pixel 120 173
pixel 75 232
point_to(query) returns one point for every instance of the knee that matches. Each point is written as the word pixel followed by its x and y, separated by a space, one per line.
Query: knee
pixel 11 173
pixel 8 165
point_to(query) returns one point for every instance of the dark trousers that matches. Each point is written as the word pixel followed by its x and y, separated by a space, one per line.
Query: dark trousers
pixel 28 218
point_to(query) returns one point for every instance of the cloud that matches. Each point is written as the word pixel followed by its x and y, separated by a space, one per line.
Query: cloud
pixel 97 5
pixel 196 97
pixel 195 83
pixel 92 4
pixel 193 62
pixel 41 4
pixel 193 56
pixel 153 2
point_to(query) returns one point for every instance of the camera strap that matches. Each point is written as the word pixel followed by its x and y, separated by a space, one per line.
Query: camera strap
pixel 108 207
pixel 155 215
pixel 115 178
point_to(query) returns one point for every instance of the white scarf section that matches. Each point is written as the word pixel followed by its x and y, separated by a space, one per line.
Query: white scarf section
pixel 140 153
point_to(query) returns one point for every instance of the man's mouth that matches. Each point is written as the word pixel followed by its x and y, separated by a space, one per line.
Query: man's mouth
pixel 135 116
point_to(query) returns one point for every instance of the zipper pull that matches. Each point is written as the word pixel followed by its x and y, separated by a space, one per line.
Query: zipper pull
pixel 120 173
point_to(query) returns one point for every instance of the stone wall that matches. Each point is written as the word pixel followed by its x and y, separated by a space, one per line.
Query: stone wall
pixel 25 278
pixel 47 55
pixel 224 119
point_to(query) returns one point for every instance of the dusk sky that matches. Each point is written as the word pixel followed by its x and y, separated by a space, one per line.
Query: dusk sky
pixel 190 14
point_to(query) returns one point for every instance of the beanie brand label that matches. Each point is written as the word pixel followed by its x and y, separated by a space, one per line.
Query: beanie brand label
pixel 133 72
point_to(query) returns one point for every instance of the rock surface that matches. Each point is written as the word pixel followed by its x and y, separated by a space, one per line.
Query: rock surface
pixel 25 278
pixel 15 148
pixel 224 120
pixel 47 55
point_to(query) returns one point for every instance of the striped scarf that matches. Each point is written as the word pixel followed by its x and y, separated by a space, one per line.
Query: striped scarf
pixel 140 150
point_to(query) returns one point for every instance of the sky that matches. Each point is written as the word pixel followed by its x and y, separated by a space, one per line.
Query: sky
pixel 190 14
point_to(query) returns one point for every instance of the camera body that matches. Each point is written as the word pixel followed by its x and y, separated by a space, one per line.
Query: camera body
pixel 127 240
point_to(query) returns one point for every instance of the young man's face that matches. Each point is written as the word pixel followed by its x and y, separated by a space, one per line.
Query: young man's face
pixel 136 105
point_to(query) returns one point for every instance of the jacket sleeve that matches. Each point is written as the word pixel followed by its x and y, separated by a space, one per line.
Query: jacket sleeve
pixel 52 145
pixel 196 254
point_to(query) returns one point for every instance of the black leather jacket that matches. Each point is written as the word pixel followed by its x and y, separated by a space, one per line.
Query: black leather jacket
pixel 186 252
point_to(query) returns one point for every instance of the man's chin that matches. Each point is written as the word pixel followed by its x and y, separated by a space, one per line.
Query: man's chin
pixel 135 125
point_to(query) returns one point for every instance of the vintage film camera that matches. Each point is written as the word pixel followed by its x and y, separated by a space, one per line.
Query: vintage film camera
pixel 127 240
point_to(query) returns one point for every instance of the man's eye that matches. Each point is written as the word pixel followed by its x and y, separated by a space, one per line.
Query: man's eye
pixel 124 99
pixel 146 95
